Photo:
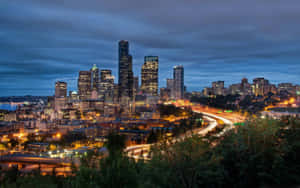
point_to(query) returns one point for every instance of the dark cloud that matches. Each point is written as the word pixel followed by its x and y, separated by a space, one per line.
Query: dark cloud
pixel 43 41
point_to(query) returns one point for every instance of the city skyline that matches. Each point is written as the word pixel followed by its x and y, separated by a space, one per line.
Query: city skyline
pixel 44 42
pixel 158 93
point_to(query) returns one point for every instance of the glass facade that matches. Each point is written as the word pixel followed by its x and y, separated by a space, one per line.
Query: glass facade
pixel 178 75
pixel 60 89
pixel 150 76
pixel 84 84
pixel 125 71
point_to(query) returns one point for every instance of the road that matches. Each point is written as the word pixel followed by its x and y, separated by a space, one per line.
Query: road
pixel 141 151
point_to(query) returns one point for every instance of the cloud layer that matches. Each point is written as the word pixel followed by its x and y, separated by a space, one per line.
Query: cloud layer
pixel 44 41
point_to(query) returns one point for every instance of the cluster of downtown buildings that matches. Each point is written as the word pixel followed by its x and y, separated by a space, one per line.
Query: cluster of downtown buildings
pixel 98 106
pixel 98 86
pixel 259 87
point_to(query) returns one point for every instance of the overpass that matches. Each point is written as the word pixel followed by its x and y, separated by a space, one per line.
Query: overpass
pixel 27 163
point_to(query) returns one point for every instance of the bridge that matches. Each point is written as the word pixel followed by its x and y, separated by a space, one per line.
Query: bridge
pixel 27 163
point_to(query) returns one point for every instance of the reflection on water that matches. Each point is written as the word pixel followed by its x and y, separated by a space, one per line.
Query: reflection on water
pixel 8 107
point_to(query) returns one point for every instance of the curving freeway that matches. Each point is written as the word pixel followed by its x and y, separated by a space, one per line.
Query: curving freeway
pixel 142 151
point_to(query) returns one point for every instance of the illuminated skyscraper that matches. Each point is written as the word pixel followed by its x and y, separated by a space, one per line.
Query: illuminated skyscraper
pixel 170 87
pixel 218 88
pixel 125 71
pixel 106 88
pixel 84 84
pixel 246 87
pixel 261 86
pixel 60 95
pixel 178 82
pixel 95 77
pixel 60 89
pixel 105 73
pixel 164 93
pixel 150 76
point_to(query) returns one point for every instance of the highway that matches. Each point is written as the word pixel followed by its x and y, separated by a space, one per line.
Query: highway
pixel 141 151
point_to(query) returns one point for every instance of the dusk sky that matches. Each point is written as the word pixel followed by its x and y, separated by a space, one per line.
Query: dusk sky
pixel 49 40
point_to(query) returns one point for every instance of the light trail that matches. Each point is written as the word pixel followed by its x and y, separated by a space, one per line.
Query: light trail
pixel 143 149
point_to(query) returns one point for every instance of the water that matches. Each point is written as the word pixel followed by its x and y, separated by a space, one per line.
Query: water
pixel 9 107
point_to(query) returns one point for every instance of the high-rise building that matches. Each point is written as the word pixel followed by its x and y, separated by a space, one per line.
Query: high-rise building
pixel 105 73
pixel 218 88
pixel 125 71
pixel 235 89
pixel 246 87
pixel 170 87
pixel 164 94
pixel 116 93
pixel 106 91
pixel 207 91
pixel 261 86
pixel 178 82
pixel 60 89
pixel 150 76
pixel 84 84
pixel 95 77
pixel 60 95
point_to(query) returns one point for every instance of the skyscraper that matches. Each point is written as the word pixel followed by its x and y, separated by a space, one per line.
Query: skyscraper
pixel 246 87
pixel 60 89
pixel 178 75
pixel 170 87
pixel 218 88
pixel 106 91
pixel 105 73
pixel 95 77
pixel 125 71
pixel 150 76
pixel 60 95
pixel 261 86
pixel 84 84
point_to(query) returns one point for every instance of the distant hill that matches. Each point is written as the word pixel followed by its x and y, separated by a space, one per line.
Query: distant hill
pixel 27 98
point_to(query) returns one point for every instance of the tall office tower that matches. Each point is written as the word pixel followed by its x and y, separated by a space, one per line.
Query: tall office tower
pixel 60 89
pixel 170 87
pixel 125 71
pixel 95 77
pixel 84 84
pixel 164 94
pixel 106 88
pixel 245 87
pixel 235 89
pixel 178 82
pixel 135 85
pixel 60 95
pixel 150 76
pixel 261 86
pixel 116 93
pixel 104 74
pixel 218 88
